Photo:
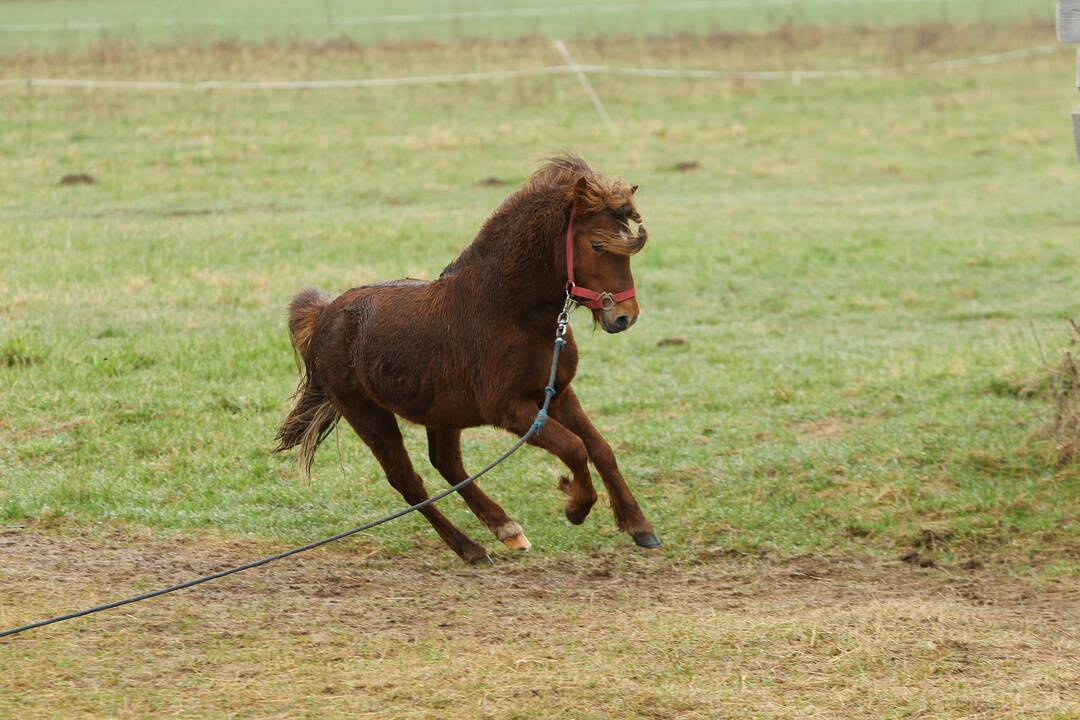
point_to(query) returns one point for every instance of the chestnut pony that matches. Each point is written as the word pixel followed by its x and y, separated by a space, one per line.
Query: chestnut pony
pixel 474 347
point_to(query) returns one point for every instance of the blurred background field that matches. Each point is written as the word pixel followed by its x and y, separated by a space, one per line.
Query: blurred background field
pixel 838 408
pixel 866 274
pixel 68 23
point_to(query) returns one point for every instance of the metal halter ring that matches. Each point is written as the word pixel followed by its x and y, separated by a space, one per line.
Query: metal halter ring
pixel 607 301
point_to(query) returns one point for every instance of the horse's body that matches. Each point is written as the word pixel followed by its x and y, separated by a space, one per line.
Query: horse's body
pixel 454 370
pixel 474 348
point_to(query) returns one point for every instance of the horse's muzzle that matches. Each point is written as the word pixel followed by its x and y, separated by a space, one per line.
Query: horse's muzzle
pixel 620 317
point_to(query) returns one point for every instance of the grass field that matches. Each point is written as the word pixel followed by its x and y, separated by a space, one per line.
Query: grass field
pixel 870 278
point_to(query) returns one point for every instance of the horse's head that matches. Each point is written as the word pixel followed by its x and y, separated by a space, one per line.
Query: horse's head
pixel 603 241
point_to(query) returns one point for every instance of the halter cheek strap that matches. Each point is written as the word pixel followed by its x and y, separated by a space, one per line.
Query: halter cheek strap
pixel 584 296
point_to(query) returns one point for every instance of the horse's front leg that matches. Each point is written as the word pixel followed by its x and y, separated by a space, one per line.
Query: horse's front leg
pixel 628 515
pixel 566 446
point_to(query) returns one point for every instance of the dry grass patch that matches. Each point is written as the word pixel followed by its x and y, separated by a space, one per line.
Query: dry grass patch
pixel 826 429
pixel 335 634
pixel 1057 383
pixel 786 46
pixel 1065 428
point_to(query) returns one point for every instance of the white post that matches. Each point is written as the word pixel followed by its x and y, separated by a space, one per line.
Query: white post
pixel 1076 129
pixel 1068 31
pixel 1068 21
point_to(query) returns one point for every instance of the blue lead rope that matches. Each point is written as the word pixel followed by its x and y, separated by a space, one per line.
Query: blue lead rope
pixel 549 389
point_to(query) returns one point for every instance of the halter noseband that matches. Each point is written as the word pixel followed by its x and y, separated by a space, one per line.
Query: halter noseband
pixel 584 296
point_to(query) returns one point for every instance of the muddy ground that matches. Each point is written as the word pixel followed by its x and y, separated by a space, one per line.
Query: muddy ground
pixel 340 632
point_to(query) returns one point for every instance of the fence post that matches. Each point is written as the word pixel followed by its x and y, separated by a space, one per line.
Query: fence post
pixel 1068 21
pixel 1068 31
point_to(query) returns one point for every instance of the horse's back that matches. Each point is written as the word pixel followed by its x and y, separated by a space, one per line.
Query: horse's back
pixel 400 283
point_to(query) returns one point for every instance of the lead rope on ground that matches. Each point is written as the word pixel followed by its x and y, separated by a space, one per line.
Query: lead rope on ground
pixel 562 324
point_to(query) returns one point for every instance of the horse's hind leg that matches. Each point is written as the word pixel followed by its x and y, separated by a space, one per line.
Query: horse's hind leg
pixel 379 429
pixel 444 449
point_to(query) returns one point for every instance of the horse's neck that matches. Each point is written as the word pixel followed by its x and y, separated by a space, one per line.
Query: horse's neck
pixel 522 290
pixel 509 273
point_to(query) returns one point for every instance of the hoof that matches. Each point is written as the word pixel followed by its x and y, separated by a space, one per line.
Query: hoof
pixel 576 512
pixel 577 515
pixel 477 555
pixel 519 543
pixel 646 540
pixel 513 537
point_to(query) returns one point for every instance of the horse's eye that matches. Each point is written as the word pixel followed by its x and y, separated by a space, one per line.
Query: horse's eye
pixel 598 247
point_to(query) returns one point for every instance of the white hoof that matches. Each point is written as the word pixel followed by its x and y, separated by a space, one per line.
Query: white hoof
pixel 513 537
pixel 517 542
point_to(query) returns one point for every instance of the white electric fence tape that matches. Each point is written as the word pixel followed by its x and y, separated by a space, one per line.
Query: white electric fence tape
pixel 575 69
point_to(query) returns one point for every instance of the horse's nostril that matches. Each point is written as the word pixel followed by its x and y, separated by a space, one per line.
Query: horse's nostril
pixel 622 322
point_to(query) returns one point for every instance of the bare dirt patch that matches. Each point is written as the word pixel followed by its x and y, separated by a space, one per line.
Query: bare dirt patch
pixel 77 179
pixel 686 166
pixel 338 633
pixel 827 429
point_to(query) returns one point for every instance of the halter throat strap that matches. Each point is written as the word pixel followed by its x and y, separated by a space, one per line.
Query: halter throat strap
pixel 584 296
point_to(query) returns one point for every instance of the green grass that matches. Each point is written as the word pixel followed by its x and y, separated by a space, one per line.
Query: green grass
pixel 64 23
pixel 855 268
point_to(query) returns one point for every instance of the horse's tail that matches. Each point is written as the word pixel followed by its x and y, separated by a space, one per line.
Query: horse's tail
pixel 314 415
pixel 304 310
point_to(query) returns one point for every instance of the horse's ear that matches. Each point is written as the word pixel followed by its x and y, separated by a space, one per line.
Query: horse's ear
pixel 588 195
pixel 583 195
pixel 581 188
pixel 633 189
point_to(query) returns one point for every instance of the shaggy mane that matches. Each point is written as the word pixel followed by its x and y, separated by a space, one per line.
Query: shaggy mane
pixel 531 221
pixel 564 171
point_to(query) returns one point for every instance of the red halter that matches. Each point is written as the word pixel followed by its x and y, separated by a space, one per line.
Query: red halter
pixel 585 296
